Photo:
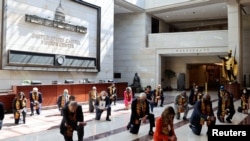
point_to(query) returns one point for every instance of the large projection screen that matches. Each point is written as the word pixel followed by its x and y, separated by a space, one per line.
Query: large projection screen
pixel 50 29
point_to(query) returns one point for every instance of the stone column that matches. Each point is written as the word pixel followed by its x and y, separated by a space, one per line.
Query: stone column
pixel 234 34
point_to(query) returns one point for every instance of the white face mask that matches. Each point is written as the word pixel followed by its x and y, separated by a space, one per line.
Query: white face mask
pixel 103 97
pixel 244 91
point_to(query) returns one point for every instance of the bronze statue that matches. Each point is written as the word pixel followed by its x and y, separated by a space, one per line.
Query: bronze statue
pixel 230 67
pixel 136 85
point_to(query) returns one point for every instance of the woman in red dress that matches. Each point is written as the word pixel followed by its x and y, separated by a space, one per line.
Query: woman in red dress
pixel 164 129
pixel 128 96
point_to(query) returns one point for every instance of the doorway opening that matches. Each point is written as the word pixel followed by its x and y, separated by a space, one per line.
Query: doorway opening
pixel 201 74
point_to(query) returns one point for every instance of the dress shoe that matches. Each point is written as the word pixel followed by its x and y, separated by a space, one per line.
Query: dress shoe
pixel 108 119
pixel 191 126
pixel 221 120
pixel 128 127
pixel 151 133
pixel 229 120
pixel 184 118
pixel 31 114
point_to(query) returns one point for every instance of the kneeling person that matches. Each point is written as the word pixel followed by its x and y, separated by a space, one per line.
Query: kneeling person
pixel 140 113
pixel 203 112
pixel 72 120
pixel 103 104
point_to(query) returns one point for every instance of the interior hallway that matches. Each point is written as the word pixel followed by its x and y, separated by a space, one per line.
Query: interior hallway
pixel 45 127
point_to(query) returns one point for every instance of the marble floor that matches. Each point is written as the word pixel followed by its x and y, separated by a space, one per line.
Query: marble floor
pixel 45 127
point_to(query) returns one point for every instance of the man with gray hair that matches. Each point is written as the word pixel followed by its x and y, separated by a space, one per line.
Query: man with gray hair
pixel 181 105
pixel 140 113
pixel 73 119
pixel 63 99
pixel 35 101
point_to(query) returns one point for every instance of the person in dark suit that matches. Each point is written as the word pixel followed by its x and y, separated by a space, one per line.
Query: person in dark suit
pixel 19 107
pixel 150 97
pixel 112 93
pixel 192 98
pixel 203 112
pixel 63 99
pixel 158 95
pixel 103 104
pixel 140 113
pixel 1 114
pixel 35 101
pixel 92 98
pixel 226 107
pixel 73 119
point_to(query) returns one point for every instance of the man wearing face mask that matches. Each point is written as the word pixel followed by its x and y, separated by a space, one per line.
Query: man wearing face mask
pixel 63 99
pixel 181 105
pixel 226 107
pixel 103 104
pixel 203 112
pixel 35 101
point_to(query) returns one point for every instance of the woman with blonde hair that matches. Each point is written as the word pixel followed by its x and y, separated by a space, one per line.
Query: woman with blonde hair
pixel 164 129
pixel 128 97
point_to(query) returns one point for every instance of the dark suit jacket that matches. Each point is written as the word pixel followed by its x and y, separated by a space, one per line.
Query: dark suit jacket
pixel 1 111
pixel 107 101
pixel 66 119
pixel 40 99
pixel 59 101
pixel 197 114
pixel 113 91
pixel 231 106
pixel 134 114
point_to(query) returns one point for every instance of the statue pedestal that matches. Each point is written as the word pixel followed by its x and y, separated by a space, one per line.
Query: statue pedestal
pixel 234 88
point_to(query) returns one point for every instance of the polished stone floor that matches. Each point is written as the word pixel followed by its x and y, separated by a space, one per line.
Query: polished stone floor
pixel 45 127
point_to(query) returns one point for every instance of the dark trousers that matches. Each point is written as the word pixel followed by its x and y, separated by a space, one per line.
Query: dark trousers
pixel 17 119
pixel 99 113
pixel 38 110
pixel 151 105
pixel 162 100
pixel 196 128
pixel 134 128
pixel 91 105
pixel 113 100
pixel 230 114
pixel 80 134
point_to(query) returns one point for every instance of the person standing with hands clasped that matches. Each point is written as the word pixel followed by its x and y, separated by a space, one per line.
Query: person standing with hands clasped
pixel 164 128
